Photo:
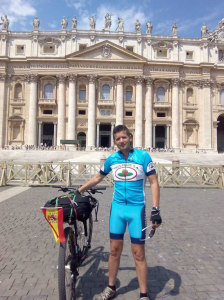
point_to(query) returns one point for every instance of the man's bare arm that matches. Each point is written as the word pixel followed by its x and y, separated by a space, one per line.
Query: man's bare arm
pixel 92 182
pixel 155 189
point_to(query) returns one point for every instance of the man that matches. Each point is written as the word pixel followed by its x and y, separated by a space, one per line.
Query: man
pixel 130 168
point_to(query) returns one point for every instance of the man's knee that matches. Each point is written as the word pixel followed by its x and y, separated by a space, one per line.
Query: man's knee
pixel 116 249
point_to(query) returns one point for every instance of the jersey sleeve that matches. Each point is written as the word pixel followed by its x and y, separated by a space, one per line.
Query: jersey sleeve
pixel 149 167
pixel 105 169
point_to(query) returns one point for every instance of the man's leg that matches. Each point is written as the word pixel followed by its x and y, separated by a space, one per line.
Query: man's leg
pixel 116 247
pixel 138 251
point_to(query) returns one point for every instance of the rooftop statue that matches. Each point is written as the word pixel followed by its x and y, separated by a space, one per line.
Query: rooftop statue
pixel 120 24
pixel 5 23
pixel 74 23
pixel 204 31
pixel 107 22
pixel 64 23
pixel 149 27
pixel 174 29
pixel 92 23
pixel 36 23
pixel 138 27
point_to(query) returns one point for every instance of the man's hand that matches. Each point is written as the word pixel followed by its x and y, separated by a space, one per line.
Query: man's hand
pixel 155 219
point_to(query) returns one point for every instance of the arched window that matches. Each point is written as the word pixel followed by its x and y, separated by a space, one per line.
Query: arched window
pixel 160 94
pixel 128 93
pixel 189 95
pixel 106 92
pixel 18 91
pixel 82 138
pixel 48 91
pixel 82 92
pixel 222 97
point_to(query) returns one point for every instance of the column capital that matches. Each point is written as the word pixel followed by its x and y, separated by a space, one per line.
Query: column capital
pixel 61 78
pixel 92 78
pixel 149 81
pixel 175 82
pixel 139 79
pixel 31 77
pixel 72 77
pixel 120 79
pixel 2 76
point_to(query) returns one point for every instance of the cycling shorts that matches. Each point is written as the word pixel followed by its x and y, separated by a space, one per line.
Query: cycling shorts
pixel 134 216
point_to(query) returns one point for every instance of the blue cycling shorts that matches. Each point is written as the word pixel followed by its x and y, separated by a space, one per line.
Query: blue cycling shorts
pixel 122 215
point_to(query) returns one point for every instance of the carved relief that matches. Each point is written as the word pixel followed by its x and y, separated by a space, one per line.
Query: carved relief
pixel 106 51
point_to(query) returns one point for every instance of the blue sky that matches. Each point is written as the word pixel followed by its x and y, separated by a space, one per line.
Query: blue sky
pixel 188 14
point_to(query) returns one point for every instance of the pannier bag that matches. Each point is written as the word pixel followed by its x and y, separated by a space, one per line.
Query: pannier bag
pixel 75 207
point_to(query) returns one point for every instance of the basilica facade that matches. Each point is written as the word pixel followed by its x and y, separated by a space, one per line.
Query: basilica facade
pixel 75 84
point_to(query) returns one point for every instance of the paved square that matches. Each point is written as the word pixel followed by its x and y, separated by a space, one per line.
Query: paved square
pixel 185 257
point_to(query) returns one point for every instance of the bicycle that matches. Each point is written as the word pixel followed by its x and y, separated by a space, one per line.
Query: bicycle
pixel 72 252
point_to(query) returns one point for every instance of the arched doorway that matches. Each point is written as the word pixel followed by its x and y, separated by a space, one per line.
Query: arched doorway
pixel 48 134
pixel 220 134
pixel 82 138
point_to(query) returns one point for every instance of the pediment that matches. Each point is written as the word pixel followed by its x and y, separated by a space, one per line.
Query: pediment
pixel 106 51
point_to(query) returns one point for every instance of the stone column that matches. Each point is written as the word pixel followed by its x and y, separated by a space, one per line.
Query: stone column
pixel 61 108
pixel 32 123
pixel 175 114
pixel 97 134
pixel 92 113
pixel 138 112
pixel 154 136
pixel 112 138
pixel 2 109
pixel 168 136
pixel 39 132
pixel 55 134
pixel 206 115
pixel 120 101
pixel 148 113
pixel 72 107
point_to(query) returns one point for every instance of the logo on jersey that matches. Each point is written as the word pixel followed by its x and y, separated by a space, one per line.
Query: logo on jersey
pixel 125 173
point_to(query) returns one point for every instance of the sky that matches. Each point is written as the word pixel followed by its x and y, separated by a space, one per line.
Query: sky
pixel 189 15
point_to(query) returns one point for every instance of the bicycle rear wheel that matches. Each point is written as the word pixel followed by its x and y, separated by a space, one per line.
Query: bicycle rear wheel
pixel 84 237
pixel 66 274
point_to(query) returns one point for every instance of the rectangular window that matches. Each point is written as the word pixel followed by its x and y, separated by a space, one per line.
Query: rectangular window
pixel 128 113
pixel 20 49
pixel 128 96
pixel 189 55
pixel 161 115
pixel 47 112
pixel 130 48
pixel 82 47
pixel 82 112
pixel 221 55
pixel 162 53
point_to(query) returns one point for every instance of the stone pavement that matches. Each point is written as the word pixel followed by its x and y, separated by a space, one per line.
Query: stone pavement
pixel 185 257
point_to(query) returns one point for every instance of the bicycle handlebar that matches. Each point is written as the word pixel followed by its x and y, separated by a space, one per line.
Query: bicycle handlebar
pixel 74 188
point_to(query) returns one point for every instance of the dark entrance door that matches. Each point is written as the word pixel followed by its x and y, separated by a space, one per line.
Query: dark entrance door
pixel 48 134
pixel 160 136
pixel 220 134
pixel 105 135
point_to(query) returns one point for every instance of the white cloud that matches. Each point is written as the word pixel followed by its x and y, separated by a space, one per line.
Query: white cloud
pixel 17 10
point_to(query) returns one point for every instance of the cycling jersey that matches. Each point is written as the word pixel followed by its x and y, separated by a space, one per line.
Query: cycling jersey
pixel 129 175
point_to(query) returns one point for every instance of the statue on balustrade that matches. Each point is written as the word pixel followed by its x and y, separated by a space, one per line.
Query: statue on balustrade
pixel 92 23
pixel 120 24
pixel 138 27
pixel 36 23
pixel 5 23
pixel 174 29
pixel 107 22
pixel 64 23
pixel 204 31
pixel 149 27
pixel 74 23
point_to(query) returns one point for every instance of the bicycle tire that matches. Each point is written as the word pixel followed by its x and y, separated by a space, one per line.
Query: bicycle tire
pixel 84 240
pixel 66 280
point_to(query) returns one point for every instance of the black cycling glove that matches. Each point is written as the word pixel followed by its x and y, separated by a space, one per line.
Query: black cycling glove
pixel 155 217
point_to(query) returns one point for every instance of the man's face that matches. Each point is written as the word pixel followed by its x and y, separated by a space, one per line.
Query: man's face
pixel 122 140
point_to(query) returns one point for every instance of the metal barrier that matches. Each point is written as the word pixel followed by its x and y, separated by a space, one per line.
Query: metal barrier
pixel 67 173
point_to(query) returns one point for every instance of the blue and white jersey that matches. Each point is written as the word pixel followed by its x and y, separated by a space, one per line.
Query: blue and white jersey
pixel 129 175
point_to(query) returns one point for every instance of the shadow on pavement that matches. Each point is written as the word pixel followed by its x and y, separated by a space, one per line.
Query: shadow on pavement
pixel 94 279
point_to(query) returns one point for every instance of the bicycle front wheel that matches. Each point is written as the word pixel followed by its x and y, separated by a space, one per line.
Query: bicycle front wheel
pixel 66 276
